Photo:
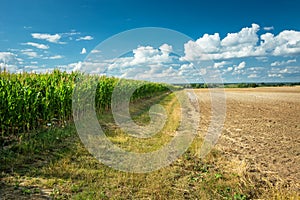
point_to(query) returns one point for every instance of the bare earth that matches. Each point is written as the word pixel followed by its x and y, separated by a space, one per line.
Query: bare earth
pixel 261 133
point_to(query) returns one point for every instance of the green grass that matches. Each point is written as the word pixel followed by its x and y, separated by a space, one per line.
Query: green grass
pixel 55 163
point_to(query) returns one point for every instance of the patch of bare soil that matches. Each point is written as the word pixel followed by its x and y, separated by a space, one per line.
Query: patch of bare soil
pixel 261 131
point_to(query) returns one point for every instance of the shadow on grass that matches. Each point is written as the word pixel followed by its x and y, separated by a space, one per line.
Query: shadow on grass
pixel 55 156
pixel 54 164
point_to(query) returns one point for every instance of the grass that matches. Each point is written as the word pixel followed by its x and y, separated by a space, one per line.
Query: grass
pixel 54 163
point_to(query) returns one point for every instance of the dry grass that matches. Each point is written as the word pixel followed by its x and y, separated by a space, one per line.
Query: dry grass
pixel 55 164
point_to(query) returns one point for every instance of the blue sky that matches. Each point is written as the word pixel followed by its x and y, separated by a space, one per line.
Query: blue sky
pixel 247 41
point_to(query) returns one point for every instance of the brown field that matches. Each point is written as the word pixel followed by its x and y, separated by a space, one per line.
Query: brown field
pixel 261 134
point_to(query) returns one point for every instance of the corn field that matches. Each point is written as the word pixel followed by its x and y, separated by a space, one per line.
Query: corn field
pixel 30 101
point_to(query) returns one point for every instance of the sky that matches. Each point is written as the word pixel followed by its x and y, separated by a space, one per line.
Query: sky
pixel 240 41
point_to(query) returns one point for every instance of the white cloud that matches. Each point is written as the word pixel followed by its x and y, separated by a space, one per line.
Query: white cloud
pixel 186 68
pixel 166 49
pixel 143 52
pixel 262 58
pixel 242 44
pixel 9 61
pixel 286 70
pixel 48 37
pixel 146 56
pixel 88 37
pixel 87 67
pixel 7 57
pixel 71 33
pixel 252 76
pixel 210 43
pixel 291 61
pixel 246 37
pixel 234 45
pixel 238 69
pixel 149 63
pixel 256 69
pixel 9 67
pixel 202 47
pixel 83 51
pixel 75 66
pixel 280 63
pixel 95 51
pixel 54 57
pixel 31 67
pixel 275 75
pixel 229 69
pixel 268 28
pixel 240 66
pixel 37 45
pixel 285 43
pixel 30 53
pixel 220 64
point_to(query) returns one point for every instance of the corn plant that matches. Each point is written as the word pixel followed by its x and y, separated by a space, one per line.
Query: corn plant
pixel 31 101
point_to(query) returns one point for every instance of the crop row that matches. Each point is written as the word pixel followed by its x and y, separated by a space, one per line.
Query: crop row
pixel 29 100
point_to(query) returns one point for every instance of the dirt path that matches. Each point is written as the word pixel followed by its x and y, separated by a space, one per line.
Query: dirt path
pixel 262 130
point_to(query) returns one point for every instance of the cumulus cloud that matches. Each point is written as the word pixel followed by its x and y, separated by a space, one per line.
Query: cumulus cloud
pixel 83 51
pixel 48 37
pixel 37 45
pixel 157 64
pixel 244 43
pixel 88 37
pixel 203 48
pixel 145 56
pixel 143 52
pixel 285 43
pixel 229 69
pixel 246 37
pixel 234 45
pixel 166 49
pixel 238 69
pixel 240 66
pixel 220 64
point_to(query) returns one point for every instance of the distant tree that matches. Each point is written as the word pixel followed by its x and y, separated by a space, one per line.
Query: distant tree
pixel 253 85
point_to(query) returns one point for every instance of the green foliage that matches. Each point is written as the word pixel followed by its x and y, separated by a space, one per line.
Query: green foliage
pixel 247 85
pixel 29 101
